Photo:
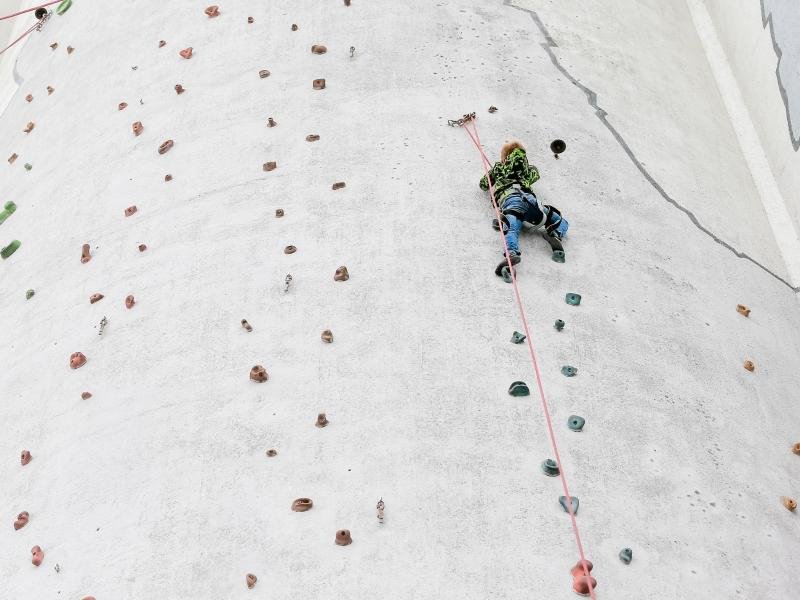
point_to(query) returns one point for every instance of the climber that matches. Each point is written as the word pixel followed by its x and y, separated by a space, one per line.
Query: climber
pixel 513 179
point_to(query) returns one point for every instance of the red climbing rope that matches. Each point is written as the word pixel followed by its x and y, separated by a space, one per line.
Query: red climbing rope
pixel 27 10
pixel 19 38
pixel 486 166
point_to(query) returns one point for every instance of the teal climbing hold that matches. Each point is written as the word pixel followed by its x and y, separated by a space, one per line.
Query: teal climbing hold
pixel 576 423
pixel 563 501
pixel 63 7
pixel 559 256
pixel 517 338
pixel 559 324
pixel 505 273
pixel 626 555
pixel 550 468
pixel 568 371
pixel 573 299
pixel 28 166
pixel 29 294
pixel 10 249
pixel 519 388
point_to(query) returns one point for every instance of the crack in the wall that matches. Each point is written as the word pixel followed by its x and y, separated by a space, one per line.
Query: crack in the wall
pixel 591 97
pixel 766 20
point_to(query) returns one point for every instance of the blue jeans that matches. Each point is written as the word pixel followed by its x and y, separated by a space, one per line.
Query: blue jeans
pixel 522 210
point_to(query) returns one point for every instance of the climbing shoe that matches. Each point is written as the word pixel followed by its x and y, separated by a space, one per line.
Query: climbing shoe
pixel 515 258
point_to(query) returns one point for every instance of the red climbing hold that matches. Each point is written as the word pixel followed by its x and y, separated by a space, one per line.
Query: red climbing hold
pixel 578 569
pixel 186 52
pixel 129 301
pixel 251 581
pixel 77 360
pixel 212 11
pixel 96 297
pixel 22 520
pixel 130 210
pixel 137 128
pixel 142 247
pixel 163 148
pixel 37 556
pixel 583 585
pixel 85 254
pixel 25 457
pixel 319 84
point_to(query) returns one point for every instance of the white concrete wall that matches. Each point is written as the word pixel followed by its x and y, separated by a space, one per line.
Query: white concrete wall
pixel 158 485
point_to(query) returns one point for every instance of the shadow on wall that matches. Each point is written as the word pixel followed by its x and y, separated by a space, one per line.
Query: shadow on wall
pixel 783 19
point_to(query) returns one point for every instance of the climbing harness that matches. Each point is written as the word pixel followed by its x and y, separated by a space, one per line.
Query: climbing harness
pixel 569 503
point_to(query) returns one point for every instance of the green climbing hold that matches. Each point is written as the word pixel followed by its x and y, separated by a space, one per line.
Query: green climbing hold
pixel 563 501
pixel 10 249
pixel 63 7
pixel 573 299
pixel 568 371
pixel 28 166
pixel 506 275
pixel 519 388
pixel 29 294
pixel 559 324
pixel 559 256
pixel 626 555
pixel 576 423
pixel 10 207
pixel 517 338
pixel 550 468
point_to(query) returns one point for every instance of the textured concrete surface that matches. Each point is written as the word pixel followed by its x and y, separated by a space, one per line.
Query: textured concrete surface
pixel 159 486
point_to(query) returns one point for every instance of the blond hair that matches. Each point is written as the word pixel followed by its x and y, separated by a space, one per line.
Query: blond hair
pixel 508 148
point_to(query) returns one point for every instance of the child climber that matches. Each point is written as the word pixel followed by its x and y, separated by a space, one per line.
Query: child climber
pixel 513 179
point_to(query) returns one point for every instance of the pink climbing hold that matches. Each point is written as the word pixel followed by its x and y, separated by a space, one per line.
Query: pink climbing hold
pixel 270 166
pixel 96 297
pixel 259 374
pixel 577 570
pixel 29 98
pixel 186 52
pixel 86 395
pixel 22 520
pixel 122 106
pixel 25 457
pixel 142 247
pixel 165 147
pixel 212 11
pixel 129 301
pixel 318 84
pixel 583 585
pixel 130 210
pixel 86 255
pixel 77 360
pixel 138 128
pixel 37 556
pixel 251 581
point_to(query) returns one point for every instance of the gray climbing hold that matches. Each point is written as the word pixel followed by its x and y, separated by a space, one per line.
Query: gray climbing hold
pixel 576 423
pixel 550 468
pixel 563 501
pixel 29 294
pixel 573 299
pixel 559 256
pixel 559 324
pixel 519 388
pixel 568 371
pixel 626 555
pixel 506 274
pixel 517 338
pixel 28 166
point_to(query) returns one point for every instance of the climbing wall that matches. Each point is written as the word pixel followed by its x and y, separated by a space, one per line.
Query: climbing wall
pixel 254 296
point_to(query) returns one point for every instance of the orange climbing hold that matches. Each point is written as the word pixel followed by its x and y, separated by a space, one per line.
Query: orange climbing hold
pixel 302 505
pixel 212 11
pixel 77 360
pixel 186 52
pixel 796 448
pixel 85 254
pixel 165 147
pixel 583 585
pixel 29 127
pixel 343 537
pixel 748 364
pixel 138 128
pixel 789 503
pixel 743 310
pixel 130 210
pixel 12 158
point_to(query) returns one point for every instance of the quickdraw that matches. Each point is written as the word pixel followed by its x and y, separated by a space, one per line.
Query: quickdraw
pixel 462 121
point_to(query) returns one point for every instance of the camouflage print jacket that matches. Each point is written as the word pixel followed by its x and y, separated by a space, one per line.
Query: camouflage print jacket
pixel 514 169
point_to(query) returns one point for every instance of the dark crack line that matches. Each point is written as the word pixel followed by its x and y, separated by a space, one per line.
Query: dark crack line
pixel 767 20
pixel 591 97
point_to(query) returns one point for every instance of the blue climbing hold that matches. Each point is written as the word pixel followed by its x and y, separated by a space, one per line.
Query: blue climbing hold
pixel 576 423
pixel 573 299
pixel 550 468
pixel 517 337
pixel 568 371
pixel 563 501
pixel 519 388
pixel 626 555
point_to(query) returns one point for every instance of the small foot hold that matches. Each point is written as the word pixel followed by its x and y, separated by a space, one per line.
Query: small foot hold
pixel 559 324
pixel 626 555
pixel 576 423
pixel 569 371
pixel 550 468
pixel 519 388
pixel 517 337
pixel 562 500
pixel 573 299
pixel 343 537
